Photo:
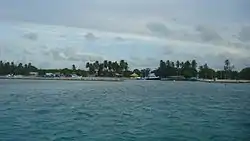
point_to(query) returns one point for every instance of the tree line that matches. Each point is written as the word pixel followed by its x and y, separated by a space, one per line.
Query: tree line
pixel 190 69
pixel 18 69
pixel 109 68
pixel 120 68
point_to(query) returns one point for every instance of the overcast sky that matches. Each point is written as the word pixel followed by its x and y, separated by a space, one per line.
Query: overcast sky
pixel 59 33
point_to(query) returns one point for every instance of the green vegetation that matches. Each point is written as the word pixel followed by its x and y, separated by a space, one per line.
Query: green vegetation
pixel 170 68
pixel 108 68
pixel 188 69
pixel 12 68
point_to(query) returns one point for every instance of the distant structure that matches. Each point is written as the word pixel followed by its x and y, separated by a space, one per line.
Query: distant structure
pixel 33 73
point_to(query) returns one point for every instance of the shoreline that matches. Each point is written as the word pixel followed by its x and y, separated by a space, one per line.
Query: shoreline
pixel 113 79
pixel 66 78
pixel 223 81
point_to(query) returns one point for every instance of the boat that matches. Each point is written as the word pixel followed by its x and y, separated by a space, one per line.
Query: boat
pixel 152 77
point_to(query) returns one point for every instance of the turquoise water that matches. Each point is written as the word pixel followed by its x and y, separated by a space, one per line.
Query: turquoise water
pixel 129 111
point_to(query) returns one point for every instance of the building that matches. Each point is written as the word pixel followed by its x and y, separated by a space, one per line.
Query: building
pixel 33 73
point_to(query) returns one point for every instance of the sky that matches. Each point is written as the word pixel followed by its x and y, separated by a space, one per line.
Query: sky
pixel 59 33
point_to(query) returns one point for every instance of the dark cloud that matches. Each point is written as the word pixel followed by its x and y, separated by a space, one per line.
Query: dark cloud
pixel 244 34
pixel 174 19
pixel 207 34
pixel 167 51
pixel 46 52
pixel 56 54
pixel 62 36
pixel 90 36
pixel 119 39
pixel 158 29
pixel 27 52
pixel 31 36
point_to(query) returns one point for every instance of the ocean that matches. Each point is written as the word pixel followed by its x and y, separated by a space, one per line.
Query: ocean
pixel 37 110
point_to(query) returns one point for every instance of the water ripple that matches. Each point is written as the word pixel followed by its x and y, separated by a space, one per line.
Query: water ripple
pixel 134 110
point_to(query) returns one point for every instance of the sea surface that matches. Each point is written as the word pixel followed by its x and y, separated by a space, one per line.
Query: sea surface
pixel 37 110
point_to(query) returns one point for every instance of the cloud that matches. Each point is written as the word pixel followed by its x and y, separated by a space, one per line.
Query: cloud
pixel 114 46
pixel 31 36
pixel 244 34
pixel 72 54
pixel 46 64
pixel 208 34
pixel 62 36
pixel 90 37
pixel 27 52
pixel 119 39
pixel 142 62
pixel 57 55
pixel 167 51
pixel 86 57
pixel 217 60
pixel 158 29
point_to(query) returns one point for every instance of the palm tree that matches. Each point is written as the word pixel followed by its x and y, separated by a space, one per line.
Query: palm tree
pixel 87 65
pixel 162 64
pixel 12 67
pixel 110 65
pixel 205 66
pixel 96 66
pixel 172 64
pixel 100 69
pixel 126 66
pixel 122 65
pixel 187 64
pixel 227 65
pixel 177 64
pixel 105 63
pixel 162 69
pixel 201 68
pixel 20 68
pixel 115 66
pixel 73 67
pixel 168 63
pixel 194 64
pixel 227 68
pixel 182 64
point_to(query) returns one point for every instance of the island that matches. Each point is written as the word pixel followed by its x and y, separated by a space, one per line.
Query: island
pixel 120 71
